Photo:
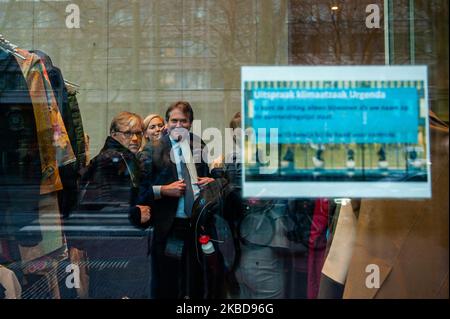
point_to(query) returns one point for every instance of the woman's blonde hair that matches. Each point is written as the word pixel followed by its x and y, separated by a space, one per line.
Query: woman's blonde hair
pixel 147 121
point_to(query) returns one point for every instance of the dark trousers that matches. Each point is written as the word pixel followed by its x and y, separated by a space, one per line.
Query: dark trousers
pixel 177 278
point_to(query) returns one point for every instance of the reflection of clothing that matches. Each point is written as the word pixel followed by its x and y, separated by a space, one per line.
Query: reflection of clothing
pixel 310 224
pixel 80 147
pixel 32 72
pixel 406 239
pixel 67 106
pixel 262 267
pixel 233 170
pixel 20 167
pixel 51 239
pixel 317 243
pixel 54 144
pixel 70 114
pixel 339 251
pixel 9 282
pixel 173 278
pixel 261 274
pixel 36 146
pixel 263 242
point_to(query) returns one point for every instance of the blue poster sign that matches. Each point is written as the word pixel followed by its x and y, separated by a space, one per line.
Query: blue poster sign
pixel 360 115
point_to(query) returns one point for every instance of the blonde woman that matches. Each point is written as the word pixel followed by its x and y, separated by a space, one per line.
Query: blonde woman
pixel 154 126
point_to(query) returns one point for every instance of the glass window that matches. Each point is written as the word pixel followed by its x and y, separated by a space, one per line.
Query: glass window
pixel 69 68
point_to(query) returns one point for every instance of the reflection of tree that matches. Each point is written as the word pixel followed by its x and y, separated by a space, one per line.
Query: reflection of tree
pixel 431 48
pixel 248 33
pixel 230 44
pixel 320 35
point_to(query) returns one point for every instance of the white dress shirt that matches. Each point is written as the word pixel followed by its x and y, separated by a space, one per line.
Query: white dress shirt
pixel 186 150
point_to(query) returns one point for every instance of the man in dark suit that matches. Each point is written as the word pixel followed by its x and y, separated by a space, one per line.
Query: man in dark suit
pixel 178 170
pixel 112 186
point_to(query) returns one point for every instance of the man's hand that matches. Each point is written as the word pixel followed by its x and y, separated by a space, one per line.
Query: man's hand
pixel 203 181
pixel 145 213
pixel 176 189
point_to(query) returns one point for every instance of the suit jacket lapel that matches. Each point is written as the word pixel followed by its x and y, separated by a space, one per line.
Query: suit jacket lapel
pixel 197 153
pixel 167 147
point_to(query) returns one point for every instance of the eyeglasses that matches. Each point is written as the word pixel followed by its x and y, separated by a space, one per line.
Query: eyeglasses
pixel 129 134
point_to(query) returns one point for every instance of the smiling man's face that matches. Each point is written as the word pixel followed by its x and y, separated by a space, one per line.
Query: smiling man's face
pixel 178 124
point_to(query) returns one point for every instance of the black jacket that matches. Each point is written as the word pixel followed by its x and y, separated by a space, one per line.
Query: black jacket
pixel 20 165
pixel 162 171
pixel 113 178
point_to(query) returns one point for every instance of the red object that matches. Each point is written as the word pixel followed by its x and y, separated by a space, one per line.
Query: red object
pixel 317 246
pixel 204 239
